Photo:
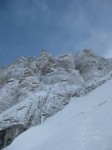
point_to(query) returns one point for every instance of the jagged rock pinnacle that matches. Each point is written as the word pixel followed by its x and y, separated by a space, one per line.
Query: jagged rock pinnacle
pixel 44 53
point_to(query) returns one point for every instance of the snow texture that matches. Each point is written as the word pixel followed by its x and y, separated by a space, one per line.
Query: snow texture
pixel 84 124
pixel 34 89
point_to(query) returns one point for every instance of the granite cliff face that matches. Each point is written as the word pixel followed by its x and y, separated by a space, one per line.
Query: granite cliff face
pixel 34 89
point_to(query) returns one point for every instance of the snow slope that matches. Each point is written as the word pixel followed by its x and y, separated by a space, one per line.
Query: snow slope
pixel 84 124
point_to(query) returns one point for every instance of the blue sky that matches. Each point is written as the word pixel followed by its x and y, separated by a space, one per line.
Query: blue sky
pixel 59 26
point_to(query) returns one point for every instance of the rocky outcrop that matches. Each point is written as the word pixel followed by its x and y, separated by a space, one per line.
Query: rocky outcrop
pixel 34 89
pixel 91 66
pixel 7 135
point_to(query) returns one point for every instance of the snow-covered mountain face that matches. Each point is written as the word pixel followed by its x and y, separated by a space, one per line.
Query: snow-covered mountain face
pixel 84 124
pixel 34 89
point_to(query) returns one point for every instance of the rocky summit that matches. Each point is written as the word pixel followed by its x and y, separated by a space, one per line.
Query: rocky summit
pixel 34 89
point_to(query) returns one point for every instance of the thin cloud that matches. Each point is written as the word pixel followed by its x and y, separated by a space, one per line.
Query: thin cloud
pixel 58 26
pixel 88 25
pixel 108 53
pixel 42 4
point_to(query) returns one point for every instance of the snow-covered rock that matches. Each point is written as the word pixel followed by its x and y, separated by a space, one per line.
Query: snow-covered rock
pixel 84 124
pixel 34 89
pixel 91 66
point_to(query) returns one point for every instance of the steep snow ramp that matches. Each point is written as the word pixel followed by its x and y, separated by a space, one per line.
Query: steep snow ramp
pixel 84 124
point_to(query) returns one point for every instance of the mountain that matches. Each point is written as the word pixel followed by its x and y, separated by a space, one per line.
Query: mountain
pixel 34 89
pixel 84 124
